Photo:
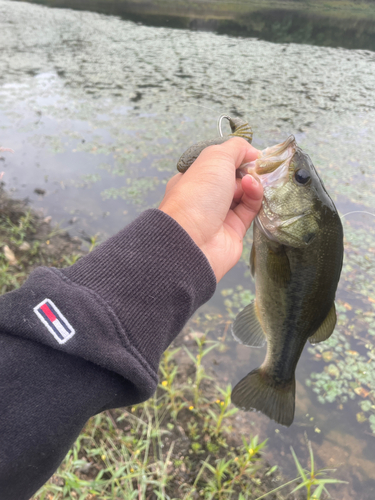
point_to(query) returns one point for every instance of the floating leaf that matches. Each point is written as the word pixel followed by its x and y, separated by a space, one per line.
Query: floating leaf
pixel 327 356
pixel 333 371
pixel 361 392
pixel 361 417
pixel 365 405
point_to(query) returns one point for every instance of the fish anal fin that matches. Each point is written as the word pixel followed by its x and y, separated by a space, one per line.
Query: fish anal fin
pixel 326 328
pixel 252 261
pixel 258 392
pixel 278 267
pixel 247 328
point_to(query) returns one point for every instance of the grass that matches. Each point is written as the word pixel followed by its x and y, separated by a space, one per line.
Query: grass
pixel 27 241
pixel 169 447
pixel 312 480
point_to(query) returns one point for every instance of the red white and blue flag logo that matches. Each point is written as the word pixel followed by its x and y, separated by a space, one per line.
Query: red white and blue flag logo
pixel 54 321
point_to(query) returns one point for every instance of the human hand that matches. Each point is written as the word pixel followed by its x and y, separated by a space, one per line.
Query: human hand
pixel 214 207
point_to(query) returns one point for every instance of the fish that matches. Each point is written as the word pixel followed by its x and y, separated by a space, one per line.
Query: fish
pixel 296 260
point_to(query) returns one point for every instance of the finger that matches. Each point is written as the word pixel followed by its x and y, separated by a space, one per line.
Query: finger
pixel 240 150
pixel 250 202
pixel 252 187
pixel 233 205
pixel 238 192
pixel 241 217
pixel 235 151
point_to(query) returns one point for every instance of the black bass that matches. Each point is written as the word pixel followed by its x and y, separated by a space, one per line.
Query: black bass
pixel 296 259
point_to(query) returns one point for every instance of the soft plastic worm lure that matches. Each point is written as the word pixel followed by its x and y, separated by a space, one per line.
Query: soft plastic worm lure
pixel 239 128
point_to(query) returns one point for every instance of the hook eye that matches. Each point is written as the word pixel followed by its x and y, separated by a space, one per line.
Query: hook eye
pixel 219 123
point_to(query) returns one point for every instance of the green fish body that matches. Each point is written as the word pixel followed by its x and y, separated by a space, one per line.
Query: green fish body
pixel 296 260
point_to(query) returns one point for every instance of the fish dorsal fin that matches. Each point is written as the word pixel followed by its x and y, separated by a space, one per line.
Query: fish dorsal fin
pixel 252 261
pixel 326 328
pixel 278 266
pixel 247 328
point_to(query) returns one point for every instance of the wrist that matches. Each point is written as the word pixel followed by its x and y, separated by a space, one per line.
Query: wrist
pixel 191 229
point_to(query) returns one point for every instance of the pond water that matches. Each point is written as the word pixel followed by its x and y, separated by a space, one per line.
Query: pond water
pixel 98 110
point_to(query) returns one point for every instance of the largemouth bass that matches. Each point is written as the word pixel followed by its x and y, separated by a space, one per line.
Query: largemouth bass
pixel 296 260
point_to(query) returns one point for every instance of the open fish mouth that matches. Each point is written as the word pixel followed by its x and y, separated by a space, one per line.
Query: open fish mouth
pixel 272 168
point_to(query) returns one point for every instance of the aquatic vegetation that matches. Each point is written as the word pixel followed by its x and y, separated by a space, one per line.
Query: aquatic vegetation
pixel 200 373
pixel 349 371
pixel 135 190
pixel 347 375
pixel 17 232
pixel 223 407
pixel 312 480
pixel 121 119
pixel 174 393
pixel 26 241
pixel 236 299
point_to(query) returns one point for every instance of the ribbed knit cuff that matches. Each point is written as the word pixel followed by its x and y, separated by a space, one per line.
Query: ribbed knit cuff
pixel 152 276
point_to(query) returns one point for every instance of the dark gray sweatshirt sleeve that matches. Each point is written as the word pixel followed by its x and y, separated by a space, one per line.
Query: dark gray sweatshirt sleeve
pixel 79 340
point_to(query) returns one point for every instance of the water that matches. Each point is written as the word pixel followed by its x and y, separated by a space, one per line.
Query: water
pixel 98 110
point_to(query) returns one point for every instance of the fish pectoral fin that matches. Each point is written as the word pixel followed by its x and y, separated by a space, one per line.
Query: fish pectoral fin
pixel 247 328
pixel 260 393
pixel 326 328
pixel 278 267
pixel 252 261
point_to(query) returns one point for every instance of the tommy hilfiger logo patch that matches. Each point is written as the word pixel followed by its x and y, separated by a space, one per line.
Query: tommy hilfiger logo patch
pixel 54 321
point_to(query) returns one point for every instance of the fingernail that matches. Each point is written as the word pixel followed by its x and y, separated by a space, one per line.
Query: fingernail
pixel 254 181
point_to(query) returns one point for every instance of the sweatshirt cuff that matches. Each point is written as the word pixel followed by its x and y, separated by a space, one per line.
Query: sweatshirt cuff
pixel 121 305
pixel 152 277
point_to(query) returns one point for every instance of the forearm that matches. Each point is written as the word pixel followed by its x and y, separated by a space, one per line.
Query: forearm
pixel 126 301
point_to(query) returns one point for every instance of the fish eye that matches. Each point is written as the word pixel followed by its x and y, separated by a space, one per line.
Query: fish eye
pixel 301 176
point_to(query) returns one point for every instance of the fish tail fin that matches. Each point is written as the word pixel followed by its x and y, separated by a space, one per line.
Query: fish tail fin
pixel 258 391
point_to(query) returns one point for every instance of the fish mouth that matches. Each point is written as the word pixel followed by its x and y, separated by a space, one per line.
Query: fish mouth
pixel 272 167
pixel 273 157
